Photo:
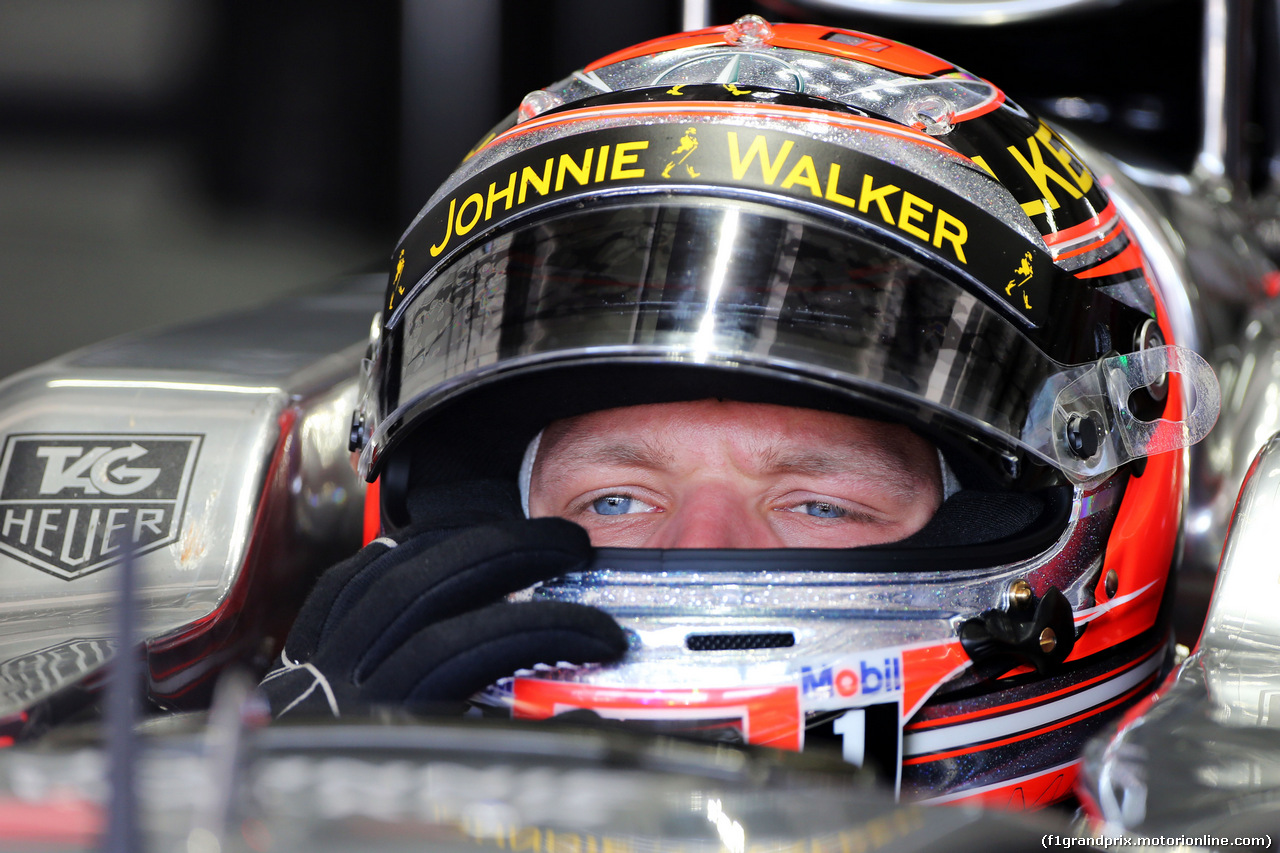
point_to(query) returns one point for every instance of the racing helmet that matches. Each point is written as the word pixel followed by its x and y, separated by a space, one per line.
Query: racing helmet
pixel 820 218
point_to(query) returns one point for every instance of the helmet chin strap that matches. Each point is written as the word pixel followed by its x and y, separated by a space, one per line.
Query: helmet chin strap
pixel 950 485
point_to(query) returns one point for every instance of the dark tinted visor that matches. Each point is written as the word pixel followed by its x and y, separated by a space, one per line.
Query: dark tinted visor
pixel 740 286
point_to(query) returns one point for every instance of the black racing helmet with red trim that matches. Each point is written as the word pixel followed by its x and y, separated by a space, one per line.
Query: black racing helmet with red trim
pixel 820 219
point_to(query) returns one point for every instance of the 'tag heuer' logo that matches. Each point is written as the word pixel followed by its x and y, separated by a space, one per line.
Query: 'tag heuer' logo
pixel 68 501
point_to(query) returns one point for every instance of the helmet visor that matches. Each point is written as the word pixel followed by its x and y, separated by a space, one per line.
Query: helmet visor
pixel 719 283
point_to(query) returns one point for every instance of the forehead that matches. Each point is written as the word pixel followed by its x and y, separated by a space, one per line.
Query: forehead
pixel 703 426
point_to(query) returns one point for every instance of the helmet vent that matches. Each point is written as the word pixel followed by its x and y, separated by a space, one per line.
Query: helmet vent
pixel 739 642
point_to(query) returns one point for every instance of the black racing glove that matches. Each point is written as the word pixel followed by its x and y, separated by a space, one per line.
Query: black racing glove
pixel 422 621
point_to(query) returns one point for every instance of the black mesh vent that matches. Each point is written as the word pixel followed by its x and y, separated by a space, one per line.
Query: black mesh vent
pixel 739 642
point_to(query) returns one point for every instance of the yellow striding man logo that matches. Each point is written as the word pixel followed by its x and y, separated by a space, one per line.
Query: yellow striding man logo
pixel 688 144
pixel 397 289
pixel 1026 271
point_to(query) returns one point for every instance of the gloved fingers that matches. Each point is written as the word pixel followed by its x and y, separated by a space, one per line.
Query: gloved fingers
pixel 473 569
pixel 483 564
pixel 455 659
pixel 309 626
pixel 343 586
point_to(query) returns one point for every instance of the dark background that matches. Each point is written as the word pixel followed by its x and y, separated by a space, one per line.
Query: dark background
pixel 162 159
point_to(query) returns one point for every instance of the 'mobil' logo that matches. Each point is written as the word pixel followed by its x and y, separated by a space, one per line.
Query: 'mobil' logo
pixel 70 503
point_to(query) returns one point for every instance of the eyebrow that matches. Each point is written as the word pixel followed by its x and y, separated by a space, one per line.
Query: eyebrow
pixel 805 462
pixel 635 454
pixel 873 463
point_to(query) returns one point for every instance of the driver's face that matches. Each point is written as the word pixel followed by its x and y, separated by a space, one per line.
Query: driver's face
pixel 723 474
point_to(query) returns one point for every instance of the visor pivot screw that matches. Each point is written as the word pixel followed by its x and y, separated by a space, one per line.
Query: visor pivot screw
pixel 934 115
pixel 1111 583
pixel 1150 337
pixel 1019 594
pixel 1048 641
pixel 356 442
pixel 1082 436
pixel 749 31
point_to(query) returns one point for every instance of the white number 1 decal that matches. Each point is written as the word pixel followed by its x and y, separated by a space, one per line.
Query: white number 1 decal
pixel 852 727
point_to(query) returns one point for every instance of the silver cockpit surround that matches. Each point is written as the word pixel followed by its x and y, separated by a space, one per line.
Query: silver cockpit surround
pixel 270 386
pixel 1238 643
pixel 1205 756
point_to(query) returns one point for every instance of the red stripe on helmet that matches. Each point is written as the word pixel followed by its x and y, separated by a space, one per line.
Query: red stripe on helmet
pixel 1126 260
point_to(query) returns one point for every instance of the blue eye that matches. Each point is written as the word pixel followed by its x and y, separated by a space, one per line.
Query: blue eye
pixel 613 505
pixel 822 509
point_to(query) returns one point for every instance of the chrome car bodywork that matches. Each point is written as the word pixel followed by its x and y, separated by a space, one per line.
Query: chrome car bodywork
pixel 215 452
pixel 1201 757
pixel 213 784
pixel 1203 754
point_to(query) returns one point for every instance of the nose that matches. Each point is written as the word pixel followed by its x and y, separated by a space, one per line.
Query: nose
pixel 715 517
